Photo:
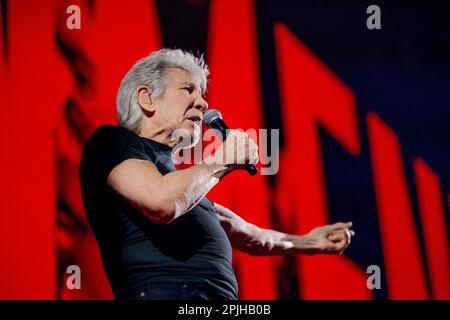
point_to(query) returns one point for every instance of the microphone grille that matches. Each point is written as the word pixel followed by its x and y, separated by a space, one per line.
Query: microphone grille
pixel 211 115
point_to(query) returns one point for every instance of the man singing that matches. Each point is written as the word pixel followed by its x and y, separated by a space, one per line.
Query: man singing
pixel 159 236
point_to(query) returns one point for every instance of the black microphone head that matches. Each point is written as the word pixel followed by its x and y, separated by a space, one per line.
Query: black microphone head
pixel 210 115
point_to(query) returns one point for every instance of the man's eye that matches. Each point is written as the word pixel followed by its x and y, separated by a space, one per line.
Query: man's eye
pixel 189 89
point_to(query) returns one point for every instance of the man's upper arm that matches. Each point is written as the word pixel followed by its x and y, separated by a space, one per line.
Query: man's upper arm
pixel 250 239
pixel 229 219
pixel 238 230
pixel 138 181
pixel 117 158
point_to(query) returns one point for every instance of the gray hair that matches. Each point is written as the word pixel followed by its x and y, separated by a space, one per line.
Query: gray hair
pixel 151 71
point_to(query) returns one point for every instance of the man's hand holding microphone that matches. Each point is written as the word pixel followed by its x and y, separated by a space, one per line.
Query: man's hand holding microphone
pixel 238 151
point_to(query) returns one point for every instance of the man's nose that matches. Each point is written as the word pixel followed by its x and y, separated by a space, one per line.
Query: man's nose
pixel 201 104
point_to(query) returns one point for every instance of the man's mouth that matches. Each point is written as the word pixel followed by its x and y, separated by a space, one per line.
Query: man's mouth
pixel 195 119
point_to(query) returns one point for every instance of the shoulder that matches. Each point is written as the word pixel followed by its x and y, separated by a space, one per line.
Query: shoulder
pixel 109 142
pixel 108 147
pixel 106 136
pixel 110 133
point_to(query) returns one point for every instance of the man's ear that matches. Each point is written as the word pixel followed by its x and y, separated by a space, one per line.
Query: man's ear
pixel 144 99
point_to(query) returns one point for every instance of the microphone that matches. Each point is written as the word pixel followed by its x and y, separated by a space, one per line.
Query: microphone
pixel 213 119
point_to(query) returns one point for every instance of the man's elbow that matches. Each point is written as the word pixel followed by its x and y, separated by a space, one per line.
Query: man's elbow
pixel 163 208
pixel 160 211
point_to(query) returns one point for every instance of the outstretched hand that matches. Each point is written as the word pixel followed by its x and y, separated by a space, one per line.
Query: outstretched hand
pixel 328 239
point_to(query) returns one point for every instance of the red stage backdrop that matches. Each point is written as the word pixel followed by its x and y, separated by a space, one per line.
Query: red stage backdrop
pixel 57 85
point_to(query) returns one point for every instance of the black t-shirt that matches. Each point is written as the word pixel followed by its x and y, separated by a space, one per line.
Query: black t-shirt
pixel 193 249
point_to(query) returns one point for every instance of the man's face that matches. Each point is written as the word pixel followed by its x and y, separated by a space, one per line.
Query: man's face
pixel 182 105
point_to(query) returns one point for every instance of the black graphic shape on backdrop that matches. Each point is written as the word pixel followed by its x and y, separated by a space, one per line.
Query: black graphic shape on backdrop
pixel 184 24
pixel 4 18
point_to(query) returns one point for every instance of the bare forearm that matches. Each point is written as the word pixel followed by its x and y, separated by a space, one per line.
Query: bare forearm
pixel 266 242
pixel 183 189
pixel 251 239
pixel 256 241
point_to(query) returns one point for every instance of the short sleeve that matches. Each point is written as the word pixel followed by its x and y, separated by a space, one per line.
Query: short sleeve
pixel 108 147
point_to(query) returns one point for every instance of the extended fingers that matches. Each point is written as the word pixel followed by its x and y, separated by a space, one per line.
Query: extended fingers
pixel 331 228
pixel 337 236
pixel 342 225
pixel 340 235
